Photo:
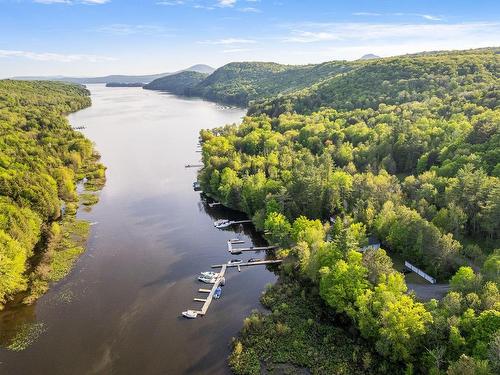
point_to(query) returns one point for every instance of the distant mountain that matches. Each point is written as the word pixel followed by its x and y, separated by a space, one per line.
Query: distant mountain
pixel 201 68
pixel 369 56
pixel 121 84
pixel 181 83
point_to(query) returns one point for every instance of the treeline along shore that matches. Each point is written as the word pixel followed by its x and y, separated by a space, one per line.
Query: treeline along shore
pixel 41 160
pixel 406 149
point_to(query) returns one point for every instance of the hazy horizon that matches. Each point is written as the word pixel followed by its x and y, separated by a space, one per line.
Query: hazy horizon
pixel 87 38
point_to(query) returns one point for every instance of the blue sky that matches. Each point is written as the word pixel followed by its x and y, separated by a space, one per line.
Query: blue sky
pixel 97 37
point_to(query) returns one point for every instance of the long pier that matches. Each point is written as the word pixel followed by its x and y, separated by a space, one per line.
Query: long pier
pixel 208 300
pixel 193 166
pixel 238 250
pixel 224 266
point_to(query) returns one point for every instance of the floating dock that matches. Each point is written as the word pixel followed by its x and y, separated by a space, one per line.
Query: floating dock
pixel 220 277
pixel 238 250
pixel 224 266
pixel 193 166
pixel 207 301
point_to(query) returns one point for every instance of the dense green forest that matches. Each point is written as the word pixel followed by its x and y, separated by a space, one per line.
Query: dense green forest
pixel 469 75
pixel 180 84
pixel 406 149
pixel 41 159
pixel 241 82
pixel 275 88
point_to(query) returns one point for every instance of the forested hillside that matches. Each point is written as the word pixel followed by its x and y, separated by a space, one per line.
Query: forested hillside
pixel 41 158
pixel 179 84
pixel 470 76
pixel 240 83
pixel 406 149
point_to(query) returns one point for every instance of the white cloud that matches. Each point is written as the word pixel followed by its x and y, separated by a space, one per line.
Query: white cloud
pixel 236 50
pixel 57 57
pixel 126 29
pixel 366 14
pixel 226 3
pixel 323 32
pixel 249 10
pixel 300 36
pixel 228 41
pixel 88 2
pixel 429 17
pixel 172 2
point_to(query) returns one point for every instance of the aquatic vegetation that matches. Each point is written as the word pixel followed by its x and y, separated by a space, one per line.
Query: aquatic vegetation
pixel 88 199
pixel 26 335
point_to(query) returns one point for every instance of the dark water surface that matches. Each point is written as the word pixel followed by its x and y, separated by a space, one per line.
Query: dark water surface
pixel 118 311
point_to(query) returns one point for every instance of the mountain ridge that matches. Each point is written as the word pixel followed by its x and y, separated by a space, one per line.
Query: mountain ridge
pixel 116 78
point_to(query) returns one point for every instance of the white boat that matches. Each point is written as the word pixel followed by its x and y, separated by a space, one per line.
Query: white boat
pixel 190 314
pixel 235 241
pixel 222 223
pixel 209 274
pixel 235 261
pixel 207 280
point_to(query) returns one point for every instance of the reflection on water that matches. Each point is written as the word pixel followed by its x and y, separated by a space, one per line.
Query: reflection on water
pixel 118 312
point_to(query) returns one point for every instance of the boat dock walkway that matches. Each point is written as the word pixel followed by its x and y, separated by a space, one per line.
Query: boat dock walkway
pixel 193 166
pixel 238 250
pixel 224 266
pixel 208 300
pixel 241 222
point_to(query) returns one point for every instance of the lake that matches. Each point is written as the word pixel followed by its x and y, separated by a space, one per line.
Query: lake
pixel 118 312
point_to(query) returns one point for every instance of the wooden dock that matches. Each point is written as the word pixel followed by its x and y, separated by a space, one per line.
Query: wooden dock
pixel 238 250
pixel 207 301
pixel 193 166
pixel 224 266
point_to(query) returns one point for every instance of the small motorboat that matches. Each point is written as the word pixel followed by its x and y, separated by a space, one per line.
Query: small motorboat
pixel 190 314
pixel 218 292
pixel 252 260
pixel 235 261
pixel 235 241
pixel 222 223
pixel 209 274
pixel 196 186
pixel 207 280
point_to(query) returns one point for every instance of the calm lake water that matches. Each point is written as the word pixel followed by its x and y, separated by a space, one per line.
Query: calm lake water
pixel 118 312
